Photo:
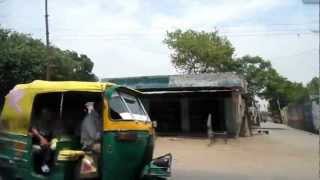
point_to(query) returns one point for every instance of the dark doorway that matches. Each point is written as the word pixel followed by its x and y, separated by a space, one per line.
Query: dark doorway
pixel 166 112
pixel 199 111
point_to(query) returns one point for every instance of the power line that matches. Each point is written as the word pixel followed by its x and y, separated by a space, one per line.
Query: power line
pixel 311 1
pixel 268 25
pixel 282 25
pixel 296 54
pixel 148 36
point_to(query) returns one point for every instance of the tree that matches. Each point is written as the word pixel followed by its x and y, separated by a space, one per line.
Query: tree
pixel 68 65
pixel 313 86
pixel 313 89
pixel 24 59
pixel 265 82
pixel 255 70
pixel 204 52
pixel 20 59
pixel 199 52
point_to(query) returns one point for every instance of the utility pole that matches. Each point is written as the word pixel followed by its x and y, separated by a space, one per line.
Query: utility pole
pixel 314 2
pixel 47 41
pixel 319 95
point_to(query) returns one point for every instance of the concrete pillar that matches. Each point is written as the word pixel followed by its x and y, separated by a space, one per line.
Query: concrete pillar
pixel 236 100
pixel 228 114
pixel 245 126
pixel 184 114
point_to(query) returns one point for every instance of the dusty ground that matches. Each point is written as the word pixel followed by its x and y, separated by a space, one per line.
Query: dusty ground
pixel 285 153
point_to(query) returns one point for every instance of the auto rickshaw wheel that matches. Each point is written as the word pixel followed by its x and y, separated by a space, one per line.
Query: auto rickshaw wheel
pixel 2 177
pixel 153 178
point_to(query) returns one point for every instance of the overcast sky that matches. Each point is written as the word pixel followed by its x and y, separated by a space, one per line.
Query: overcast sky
pixel 124 37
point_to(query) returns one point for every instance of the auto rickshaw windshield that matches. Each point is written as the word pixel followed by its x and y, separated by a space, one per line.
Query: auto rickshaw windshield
pixel 124 106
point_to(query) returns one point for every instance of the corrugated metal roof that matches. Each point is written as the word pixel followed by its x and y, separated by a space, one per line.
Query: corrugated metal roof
pixel 141 82
pixel 182 92
pixel 207 80
pixel 210 80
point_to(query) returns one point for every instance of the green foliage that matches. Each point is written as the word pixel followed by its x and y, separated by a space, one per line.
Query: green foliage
pixel 313 89
pixel 21 59
pixel 264 81
pixel 313 86
pixel 286 92
pixel 68 65
pixel 24 59
pixel 199 52
pixel 203 52
pixel 256 71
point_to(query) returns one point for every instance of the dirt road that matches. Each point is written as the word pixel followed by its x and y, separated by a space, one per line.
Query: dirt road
pixel 285 153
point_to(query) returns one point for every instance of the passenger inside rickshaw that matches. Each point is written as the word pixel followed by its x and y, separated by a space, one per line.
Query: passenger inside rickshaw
pixel 56 124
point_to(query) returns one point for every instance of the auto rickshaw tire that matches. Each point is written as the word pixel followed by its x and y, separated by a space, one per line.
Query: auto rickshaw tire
pixel 2 177
pixel 153 178
pixel 6 174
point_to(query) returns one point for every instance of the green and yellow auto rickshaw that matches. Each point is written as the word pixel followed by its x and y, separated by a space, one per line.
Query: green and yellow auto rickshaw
pixel 126 141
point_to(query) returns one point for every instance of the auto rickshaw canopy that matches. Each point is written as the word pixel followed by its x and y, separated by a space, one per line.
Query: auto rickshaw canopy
pixel 16 113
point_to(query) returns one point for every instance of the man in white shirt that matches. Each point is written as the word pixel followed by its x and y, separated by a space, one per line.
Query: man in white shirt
pixel 91 128
pixel 210 127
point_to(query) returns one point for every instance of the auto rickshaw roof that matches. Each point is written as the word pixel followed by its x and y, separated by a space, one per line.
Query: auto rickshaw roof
pixel 39 86
pixel 16 113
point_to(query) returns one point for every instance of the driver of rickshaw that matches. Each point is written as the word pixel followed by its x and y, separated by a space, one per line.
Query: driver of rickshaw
pixel 41 133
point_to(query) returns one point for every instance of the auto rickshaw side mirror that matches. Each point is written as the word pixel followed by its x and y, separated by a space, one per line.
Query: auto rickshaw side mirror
pixel 154 124
pixel 158 168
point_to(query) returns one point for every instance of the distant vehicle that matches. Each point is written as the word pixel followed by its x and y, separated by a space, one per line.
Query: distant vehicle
pixel 127 134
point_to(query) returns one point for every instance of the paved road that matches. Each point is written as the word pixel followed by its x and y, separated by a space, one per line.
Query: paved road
pixel 284 154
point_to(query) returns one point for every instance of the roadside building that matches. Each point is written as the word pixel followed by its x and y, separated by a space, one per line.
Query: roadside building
pixel 303 115
pixel 182 103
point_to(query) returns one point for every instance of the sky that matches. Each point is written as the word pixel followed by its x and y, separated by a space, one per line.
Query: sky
pixel 125 37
